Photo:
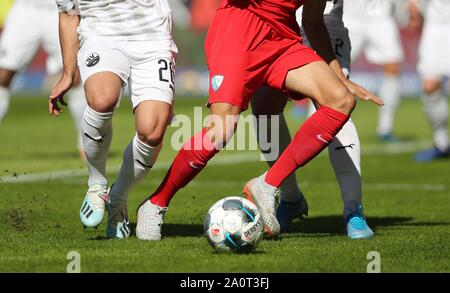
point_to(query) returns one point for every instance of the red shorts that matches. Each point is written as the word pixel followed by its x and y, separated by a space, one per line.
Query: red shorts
pixel 243 52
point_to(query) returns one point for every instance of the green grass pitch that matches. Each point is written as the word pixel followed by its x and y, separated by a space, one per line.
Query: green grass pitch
pixel 407 204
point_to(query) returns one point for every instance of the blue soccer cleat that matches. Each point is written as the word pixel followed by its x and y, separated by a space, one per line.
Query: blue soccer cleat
pixel 288 211
pixel 431 154
pixel 118 225
pixel 388 138
pixel 357 227
pixel 93 207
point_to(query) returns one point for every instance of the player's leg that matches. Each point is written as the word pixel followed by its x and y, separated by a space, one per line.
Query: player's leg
pixel 19 42
pixel 345 151
pixel 433 65
pixel 189 162
pixel 152 93
pixel 138 158
pixel 103 73
pixel 102 92
pixel 269 102
pixel 6 77
pixel 436 109
pixel 390 92
pixel 318 81
pixel 234 77
pixel 388 52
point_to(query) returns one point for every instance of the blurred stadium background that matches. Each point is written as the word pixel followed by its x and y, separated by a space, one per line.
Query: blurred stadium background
pixel 192 18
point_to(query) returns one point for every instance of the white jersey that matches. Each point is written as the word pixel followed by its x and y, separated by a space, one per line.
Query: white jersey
pixel 437 11
pixel 122 19
pixel 333 14
pixel 367 10
pixel 47 4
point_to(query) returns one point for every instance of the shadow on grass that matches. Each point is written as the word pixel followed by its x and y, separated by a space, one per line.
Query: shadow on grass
pixel 335 224
pixel 182 230
pixel 169 230
pixel 320 226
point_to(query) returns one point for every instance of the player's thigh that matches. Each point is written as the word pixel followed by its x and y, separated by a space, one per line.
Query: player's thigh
pixel 357 36
pixel 268 101
pixel 318 81
pixel 152 118
pixel 434 61
pixel 104 70
pixel 50 42
pixel 385 47
pixel 19 40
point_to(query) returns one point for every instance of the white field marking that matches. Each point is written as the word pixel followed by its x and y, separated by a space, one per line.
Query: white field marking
pixel 164 165
pixel 368 186
pixel 393 186
pixel 367 150
pixel 394 148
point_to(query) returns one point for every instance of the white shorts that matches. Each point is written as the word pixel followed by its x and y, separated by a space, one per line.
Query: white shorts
pixel 380 40
pixel 27 28
pixel 341 45
pixel 148 67
pixel 434 51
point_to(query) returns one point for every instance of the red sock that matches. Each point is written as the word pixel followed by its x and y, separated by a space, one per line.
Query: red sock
pixel 190 160
pixel 312 137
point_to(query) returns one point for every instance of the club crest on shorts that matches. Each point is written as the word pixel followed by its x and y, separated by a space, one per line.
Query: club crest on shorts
pixel 92 60
pixel 216 82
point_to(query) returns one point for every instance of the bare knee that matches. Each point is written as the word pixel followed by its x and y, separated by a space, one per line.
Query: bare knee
pixel 342 100
pixel 151 135
pixel 103 91
pixel 431 85
pixel 102 99
pixel 392 68
pixel 101 106
pixel 6 77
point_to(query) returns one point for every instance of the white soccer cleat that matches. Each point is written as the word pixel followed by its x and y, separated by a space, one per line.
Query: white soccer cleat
pixel 149 221
pixel 93 206
pixel 118 225
pixel 265 201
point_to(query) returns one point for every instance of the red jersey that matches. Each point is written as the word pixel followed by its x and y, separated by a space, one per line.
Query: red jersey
pixel 280 14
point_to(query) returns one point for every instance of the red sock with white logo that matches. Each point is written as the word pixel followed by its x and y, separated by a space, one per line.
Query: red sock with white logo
pixel 190 160
pixel 312 137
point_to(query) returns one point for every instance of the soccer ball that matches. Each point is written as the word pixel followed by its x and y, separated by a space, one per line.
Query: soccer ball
pixel 233 224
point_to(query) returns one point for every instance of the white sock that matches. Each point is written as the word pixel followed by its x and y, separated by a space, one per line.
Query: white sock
pixel 289 188
pixel 436 109
pixel 77 105
pixel 97 136
pixel 266 187
pixel 5 95
pixel 390 93
pixel 138 159
pixel 345 156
